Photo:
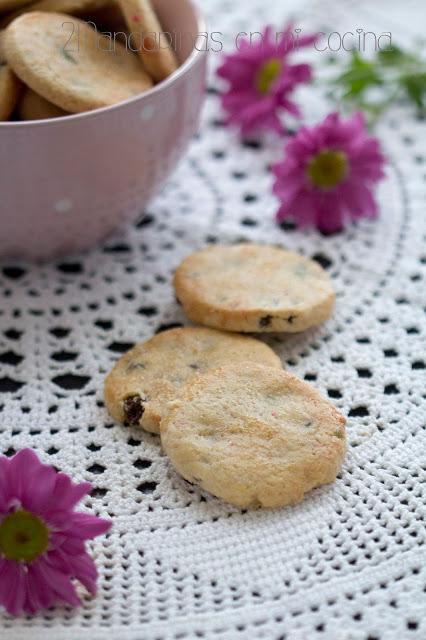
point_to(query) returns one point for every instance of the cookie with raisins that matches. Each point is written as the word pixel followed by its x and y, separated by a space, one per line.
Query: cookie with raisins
pixel 151 374
pixel 253 288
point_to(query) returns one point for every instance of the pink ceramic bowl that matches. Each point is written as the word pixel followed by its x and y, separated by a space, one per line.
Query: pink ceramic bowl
pixel 68 182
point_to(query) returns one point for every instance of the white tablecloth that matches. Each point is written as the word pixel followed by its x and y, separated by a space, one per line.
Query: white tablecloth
pixel 347 563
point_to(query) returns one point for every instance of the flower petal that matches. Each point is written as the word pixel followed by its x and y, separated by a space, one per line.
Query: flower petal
pixel 303 209
pixel 7 570
pixel 40 587
pixel 57 583
pixel 5 494
pixel 23 466
pixel 360 201
pixel 84 570
pixel 70 546
pixel 12 583
pixel 330 213
pixel 37 491
pixel 85 526
pixel 68 494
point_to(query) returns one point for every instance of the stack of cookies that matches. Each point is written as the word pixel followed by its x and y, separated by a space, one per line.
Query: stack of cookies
pixel 67 56
pixel 231 420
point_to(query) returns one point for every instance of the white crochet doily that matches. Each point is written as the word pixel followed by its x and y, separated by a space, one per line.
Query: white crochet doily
pixel 346 564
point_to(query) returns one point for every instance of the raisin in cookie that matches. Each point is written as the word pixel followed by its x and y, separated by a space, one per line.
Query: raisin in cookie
pixel 149 375
pixel 70 64
pixel 257 288
pixel 254 435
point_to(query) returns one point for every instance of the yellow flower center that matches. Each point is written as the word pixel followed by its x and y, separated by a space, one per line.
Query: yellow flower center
pixel 23 536
pixel 328 169
pixel 267 74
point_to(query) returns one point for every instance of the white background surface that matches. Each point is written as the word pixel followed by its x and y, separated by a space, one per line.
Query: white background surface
pixel 348 563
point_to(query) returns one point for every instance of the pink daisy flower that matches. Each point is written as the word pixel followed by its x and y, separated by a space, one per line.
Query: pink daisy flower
pixel 261 80
pixel 328 174
pixel 42 538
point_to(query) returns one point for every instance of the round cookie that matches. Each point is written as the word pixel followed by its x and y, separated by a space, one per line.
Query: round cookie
pixel 151 374
pixel 254 435
pixel 72 65
pixel 35 107
pixel 253 288
pixel 148 38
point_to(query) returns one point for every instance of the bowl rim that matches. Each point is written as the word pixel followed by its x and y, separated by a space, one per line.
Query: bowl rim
pixel 193 57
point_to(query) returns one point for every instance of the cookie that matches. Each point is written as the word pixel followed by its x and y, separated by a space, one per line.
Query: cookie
pixel 70 64
pixel 253 288
pixel 10 86
pixel 253 435
pixel 34 107
pixel 149 375
pixel 148 38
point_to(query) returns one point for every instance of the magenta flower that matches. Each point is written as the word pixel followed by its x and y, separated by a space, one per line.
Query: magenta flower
pixel 328 173
pixel 261 79
pixel 42 538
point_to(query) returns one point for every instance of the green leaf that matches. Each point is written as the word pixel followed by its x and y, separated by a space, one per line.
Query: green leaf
pixel 359 76
pixel 415 87
pixel 394 57
pixel 395 71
